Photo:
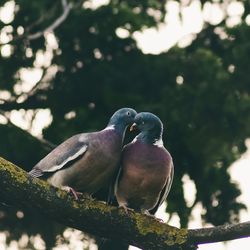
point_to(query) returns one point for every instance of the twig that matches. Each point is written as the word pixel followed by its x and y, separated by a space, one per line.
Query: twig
pixel 219 233
pixel 66 9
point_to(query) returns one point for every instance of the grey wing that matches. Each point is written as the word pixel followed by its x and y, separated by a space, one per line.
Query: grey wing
pixel 61 156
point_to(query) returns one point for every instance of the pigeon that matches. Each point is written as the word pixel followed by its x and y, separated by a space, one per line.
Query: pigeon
pixel 146 172
pixel 86 162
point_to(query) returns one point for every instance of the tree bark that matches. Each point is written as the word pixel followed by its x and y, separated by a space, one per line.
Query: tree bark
pixel 219 233
pixel 97 218
pixel 87 215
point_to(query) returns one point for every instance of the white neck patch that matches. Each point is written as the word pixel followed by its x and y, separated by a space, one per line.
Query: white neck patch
pixel 159 143
pixel 110 127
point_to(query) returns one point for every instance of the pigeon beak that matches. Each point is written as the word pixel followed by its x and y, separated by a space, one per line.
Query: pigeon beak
pixel 133 127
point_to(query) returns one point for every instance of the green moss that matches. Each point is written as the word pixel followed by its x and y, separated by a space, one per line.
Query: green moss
pixel 61 193
pixel 20 176
pixel 100 206
pixel 181 236
pixel 14 171
pixel 176 236
pixel 146 225
pixel 46 186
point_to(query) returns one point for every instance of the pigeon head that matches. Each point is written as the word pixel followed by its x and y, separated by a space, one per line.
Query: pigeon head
pixel 122 118
pixel 150 126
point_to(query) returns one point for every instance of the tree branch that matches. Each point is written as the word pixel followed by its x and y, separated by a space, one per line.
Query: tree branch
pixel 90 216
pixel 219 233
pixel 97 218
pixel 66 9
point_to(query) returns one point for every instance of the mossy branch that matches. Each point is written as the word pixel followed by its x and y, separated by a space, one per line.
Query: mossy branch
pixel 97 218
pixel 87 215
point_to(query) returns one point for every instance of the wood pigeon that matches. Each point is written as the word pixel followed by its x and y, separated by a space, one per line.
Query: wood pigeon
pixel 147 169
pixel 87 162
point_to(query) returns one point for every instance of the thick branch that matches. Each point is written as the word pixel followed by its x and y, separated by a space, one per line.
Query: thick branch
pixel 102 220
pixel 87 215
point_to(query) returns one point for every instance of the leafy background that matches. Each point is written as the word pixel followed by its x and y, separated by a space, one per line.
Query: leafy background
pixel 87 71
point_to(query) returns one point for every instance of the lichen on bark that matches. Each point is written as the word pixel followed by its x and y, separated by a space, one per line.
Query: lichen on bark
pixel 88 215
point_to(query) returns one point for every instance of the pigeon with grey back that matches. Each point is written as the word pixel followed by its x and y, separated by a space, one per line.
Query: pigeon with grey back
pixel 147 170
pixel 87 162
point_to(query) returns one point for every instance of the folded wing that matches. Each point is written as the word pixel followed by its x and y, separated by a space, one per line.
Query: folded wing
pixel 63 155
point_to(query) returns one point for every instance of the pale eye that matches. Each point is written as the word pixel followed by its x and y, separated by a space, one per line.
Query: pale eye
pixel 142 122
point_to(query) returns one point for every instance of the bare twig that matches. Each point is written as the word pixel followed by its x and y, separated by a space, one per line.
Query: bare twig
pixel 66 9
pixel 45 16
pixel 219 233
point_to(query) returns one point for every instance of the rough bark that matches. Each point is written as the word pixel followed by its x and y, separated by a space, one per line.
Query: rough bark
pixel 97 218
pixel 90 216
pixel 219 233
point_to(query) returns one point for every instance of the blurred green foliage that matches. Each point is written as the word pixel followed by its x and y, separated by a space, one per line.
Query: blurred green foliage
pixel 201 93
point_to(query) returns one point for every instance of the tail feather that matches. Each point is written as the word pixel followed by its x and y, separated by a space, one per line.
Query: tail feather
pixel 36 172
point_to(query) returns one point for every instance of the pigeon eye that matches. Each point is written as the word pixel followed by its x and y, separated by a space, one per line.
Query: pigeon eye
pixel 128 113
pixel 142 122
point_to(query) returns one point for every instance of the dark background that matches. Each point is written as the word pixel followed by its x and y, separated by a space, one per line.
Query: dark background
pixel 206 118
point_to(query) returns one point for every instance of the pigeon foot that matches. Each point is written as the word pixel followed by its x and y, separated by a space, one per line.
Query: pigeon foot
pixel 126 209
pixel 72 191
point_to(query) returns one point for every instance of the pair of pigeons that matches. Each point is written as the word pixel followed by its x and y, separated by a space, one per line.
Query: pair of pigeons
pixel 88 162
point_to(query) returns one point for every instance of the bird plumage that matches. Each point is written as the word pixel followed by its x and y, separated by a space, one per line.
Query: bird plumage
pixel 146 172
pixel 87 162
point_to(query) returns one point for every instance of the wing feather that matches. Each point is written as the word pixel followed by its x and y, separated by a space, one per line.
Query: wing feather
pixel 61 156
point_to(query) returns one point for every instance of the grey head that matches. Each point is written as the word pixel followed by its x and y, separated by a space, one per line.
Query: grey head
pixel 122 118
pixel 150 126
